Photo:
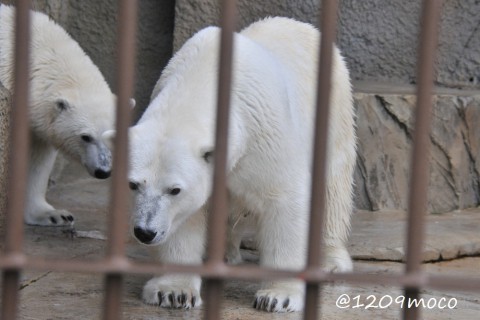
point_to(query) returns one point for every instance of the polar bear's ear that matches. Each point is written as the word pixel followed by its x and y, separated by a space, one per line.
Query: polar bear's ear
pixel 132 101
pixel 108 137
pixel 62 104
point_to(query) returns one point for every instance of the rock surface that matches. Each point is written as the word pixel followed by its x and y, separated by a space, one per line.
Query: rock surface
pixel 385 128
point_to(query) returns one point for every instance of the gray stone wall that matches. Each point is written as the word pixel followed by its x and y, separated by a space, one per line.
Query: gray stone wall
pixel 93 24
pixel 385 129
pixel 5 107
pixel 377 37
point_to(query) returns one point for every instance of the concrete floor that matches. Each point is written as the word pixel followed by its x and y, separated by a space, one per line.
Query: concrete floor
pixel 376 244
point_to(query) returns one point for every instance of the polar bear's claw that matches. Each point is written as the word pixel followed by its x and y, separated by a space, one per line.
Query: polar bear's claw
pixel 263 303
pixel 272 301
pixel 172 299
pixel 168 294
pixel 52 218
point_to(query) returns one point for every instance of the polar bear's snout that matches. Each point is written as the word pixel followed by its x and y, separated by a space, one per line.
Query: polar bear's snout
pixel 98 160
pixel 144 235
pixel 101 174
pixel 150 224
pixel 148 236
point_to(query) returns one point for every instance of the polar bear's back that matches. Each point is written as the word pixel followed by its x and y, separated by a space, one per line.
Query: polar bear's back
pixel 296 44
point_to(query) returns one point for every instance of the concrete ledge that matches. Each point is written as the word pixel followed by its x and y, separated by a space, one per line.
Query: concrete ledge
pixel 380 235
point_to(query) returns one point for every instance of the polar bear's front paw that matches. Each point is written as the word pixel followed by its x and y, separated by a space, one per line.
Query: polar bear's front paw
pixel 337 259
pixel 173 292
pixel 286 297
pixel 50 218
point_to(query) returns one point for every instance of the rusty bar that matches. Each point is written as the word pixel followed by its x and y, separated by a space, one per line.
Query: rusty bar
pixel 219 208
pixel 127 25
pixel 127 21
pixel 18 160
pixel 213 298
pixel 113 296
pixel 10 284
pixel 319 177
pixel 19 134
pixel 217 219
pixel 420 156
pixel 243 272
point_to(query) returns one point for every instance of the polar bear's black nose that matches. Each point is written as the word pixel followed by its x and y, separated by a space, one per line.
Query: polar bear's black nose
pixel 144 235
pixel 101 174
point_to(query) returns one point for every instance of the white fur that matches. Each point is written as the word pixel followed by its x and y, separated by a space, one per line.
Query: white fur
pixel 61 75
pixel 269 158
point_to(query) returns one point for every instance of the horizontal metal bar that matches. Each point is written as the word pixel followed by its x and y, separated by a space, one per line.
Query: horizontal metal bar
pixel 242 272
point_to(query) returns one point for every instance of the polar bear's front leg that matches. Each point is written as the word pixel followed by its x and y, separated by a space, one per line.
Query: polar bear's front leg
pixel 185 246
pixel 282 244
pixel 37 210
pixel 337 222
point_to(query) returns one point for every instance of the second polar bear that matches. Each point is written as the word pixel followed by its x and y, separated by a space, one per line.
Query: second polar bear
pixel 269 157
pixel 70 107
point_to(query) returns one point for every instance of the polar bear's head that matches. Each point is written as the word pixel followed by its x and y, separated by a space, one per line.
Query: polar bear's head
pixel 170 178
pixel 74 124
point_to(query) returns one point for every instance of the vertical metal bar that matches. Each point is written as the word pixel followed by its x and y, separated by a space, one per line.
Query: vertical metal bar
pixel 127 21
pixel 127 24
pixel 319 174
pixel 420 156
pixel 18 159
pixel 19 135
pixel 10 284
pixel 217 220
pixel 113 297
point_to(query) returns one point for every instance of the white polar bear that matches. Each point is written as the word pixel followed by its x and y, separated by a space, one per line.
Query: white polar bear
pixel 70 107
pixel 269 158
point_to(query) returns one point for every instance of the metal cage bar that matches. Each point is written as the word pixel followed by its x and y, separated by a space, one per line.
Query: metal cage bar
pixel 217 219
pixel 319 177
pixel 18 161
pixel 127 24
pixel 244 272
pixel 420 157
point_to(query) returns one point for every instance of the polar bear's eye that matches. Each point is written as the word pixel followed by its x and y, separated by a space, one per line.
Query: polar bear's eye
pixel 175 191
pixel 62 104
pixel 87 138
pixel 133 185
pixel 207 156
